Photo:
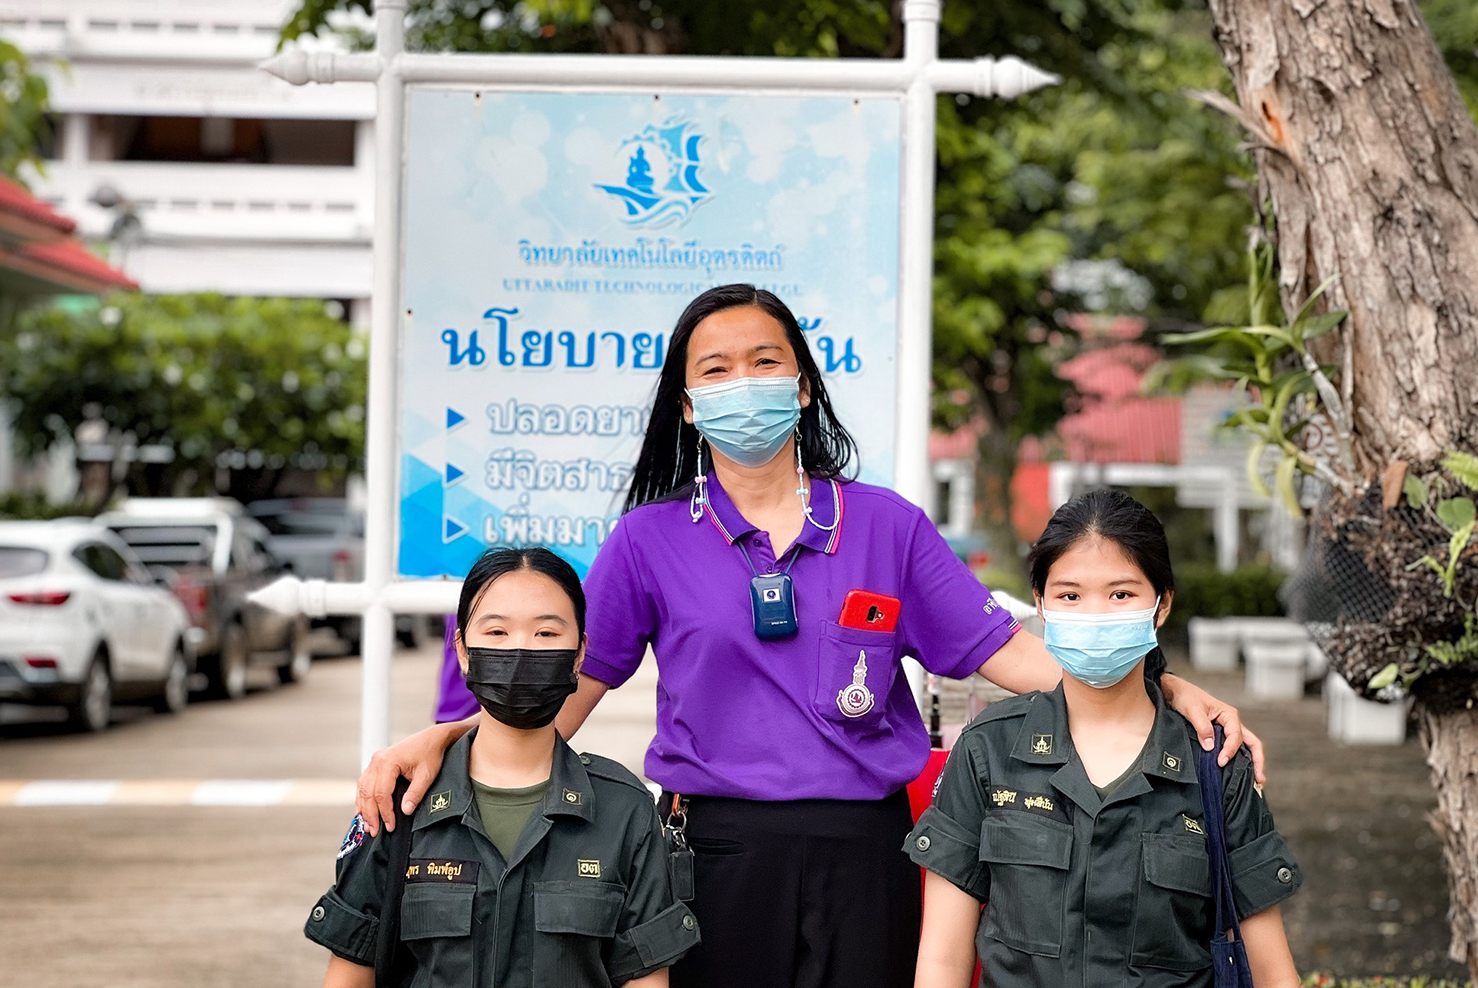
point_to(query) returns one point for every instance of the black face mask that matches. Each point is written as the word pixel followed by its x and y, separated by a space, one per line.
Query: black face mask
pixel 521 687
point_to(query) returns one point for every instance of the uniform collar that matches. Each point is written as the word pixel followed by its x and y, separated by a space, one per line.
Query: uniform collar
pixel 450 796
pixel 1044 740
pixel 826 507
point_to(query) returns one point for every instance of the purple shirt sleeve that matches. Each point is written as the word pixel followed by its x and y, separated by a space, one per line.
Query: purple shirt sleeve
pixel 454 701
pixel 948 620
pixel 620 616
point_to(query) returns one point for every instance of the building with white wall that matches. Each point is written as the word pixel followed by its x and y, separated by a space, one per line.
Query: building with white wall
pixel 236 182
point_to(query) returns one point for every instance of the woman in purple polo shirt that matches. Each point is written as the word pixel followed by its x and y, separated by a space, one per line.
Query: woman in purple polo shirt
pixel 787 732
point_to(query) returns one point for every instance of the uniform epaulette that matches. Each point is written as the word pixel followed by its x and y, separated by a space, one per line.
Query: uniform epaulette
pixel 612 771
pixel 1013 706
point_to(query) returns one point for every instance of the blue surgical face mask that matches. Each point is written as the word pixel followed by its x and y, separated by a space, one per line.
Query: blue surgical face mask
pixel 748 419
pixel 1100 649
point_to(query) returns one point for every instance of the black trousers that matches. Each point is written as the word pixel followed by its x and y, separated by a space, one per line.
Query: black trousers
pixel 803 894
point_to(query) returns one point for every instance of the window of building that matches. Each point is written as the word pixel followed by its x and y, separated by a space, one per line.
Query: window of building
pixel 223 140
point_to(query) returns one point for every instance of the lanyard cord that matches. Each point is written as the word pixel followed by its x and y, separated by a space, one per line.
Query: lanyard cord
pixel 755 573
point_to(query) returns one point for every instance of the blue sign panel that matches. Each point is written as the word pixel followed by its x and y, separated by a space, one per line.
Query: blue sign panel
pixel 552 240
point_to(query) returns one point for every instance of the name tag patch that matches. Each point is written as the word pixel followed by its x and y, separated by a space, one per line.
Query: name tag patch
pixel 441 870
pixel 1028 802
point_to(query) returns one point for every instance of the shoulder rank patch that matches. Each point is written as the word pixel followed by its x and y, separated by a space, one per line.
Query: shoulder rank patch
pixel 441 870
pixel 587 869
pixel 352 839
pixel 1029 802
pixel 1193 825
pixel 441 801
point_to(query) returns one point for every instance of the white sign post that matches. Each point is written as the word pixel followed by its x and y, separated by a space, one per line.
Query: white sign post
pixel 539 305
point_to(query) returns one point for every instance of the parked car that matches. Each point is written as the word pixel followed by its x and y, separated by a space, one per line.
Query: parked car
pixel 213 555
pixel 321 538
pixel 83 624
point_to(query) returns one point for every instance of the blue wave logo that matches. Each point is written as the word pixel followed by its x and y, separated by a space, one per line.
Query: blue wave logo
pixel 662 184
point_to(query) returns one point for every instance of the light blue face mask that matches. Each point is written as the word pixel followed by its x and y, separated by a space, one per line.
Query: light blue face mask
pixel 1100 649
pixel 748 419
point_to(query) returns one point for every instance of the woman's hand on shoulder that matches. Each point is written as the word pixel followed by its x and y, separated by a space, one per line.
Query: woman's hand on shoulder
pixel 418 758
pixel 1202 709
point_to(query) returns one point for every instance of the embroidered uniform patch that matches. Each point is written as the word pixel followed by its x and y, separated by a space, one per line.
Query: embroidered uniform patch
pixel 1036 803
pixel 588 868
pixel 441 870
pixel 441 801
pixel 352 839
pixel 1193 825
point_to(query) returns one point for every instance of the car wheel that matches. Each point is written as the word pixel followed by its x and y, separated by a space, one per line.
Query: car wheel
pixel 176 693
pixel 94 706
pixel 301 656
pixel 413 634
pixel 227 672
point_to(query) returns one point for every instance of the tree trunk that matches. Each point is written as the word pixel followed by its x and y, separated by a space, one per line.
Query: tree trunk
pixel 1370 160
pixel 1451 740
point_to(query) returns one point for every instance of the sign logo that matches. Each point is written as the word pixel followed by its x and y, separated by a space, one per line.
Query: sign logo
pixel 662 184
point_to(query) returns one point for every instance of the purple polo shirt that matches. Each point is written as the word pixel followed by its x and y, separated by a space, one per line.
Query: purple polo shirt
pixel 741 717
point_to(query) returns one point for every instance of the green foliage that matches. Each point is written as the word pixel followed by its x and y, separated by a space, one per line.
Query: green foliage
pixel 201 374
pixel 33 506
pixel 1269 362
pixel 1201 590
pixel 23 124
pixel 1458 514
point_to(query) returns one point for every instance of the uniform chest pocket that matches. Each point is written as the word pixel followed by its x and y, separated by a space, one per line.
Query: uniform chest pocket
pixel 436 925
pixel 575 923
pixel 1028 860
pixel 855 670
pixel 1172 919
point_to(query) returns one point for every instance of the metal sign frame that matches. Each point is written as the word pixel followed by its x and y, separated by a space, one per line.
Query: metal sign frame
pixel 918 77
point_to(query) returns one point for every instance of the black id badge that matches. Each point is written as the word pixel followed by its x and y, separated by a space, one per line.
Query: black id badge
pixel 772 601
pixel 680 867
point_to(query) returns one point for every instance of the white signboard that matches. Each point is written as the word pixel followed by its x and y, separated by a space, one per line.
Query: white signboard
pixel 552 240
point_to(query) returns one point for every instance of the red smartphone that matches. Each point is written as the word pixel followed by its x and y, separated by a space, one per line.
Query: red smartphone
pixel 869 611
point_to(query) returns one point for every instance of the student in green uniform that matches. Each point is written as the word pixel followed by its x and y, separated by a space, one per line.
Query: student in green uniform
pixel 1075 816
pixel 529 866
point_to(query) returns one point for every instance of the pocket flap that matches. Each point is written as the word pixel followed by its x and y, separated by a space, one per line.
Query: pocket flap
pixel 1178 863
pixel 567 907
pixel 1032 842
pixel 436 911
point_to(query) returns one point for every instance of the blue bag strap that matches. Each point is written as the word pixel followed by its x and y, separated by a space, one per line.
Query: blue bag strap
pixel 1213 789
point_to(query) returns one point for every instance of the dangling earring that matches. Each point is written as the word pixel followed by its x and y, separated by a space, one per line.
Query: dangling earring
pixel 699 500
pixel 804 495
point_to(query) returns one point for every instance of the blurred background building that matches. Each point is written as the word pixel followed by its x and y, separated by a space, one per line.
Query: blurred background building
pixel 203 172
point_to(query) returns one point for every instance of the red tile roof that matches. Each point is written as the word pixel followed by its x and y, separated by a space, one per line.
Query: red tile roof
pixel 38 254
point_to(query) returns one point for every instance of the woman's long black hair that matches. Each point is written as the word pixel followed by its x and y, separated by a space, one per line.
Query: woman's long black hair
pixel 1114 517
pixel 499 560
pixel 669 453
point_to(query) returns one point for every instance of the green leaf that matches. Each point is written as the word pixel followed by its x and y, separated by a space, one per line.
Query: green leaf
pixel 1458 543
pixel 1254 475
pixel 1463 466
pixel 1283 476
pixel 1384 678
pixel 1415 490
pixel 1316 326
pixel 1457 512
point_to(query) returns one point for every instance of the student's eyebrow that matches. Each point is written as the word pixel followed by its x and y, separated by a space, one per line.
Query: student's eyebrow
pixel 541 617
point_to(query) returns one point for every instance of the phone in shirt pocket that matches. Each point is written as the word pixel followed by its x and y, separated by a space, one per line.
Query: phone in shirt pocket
pixel 868 611
pixel 855 670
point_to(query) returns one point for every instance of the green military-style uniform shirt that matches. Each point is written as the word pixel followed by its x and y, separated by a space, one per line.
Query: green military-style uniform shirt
pixel 1082 890
pixel 584 900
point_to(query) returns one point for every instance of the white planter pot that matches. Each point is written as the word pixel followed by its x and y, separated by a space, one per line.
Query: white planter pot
pixel 1275 671
pixel 1356 720
pixel 1214 644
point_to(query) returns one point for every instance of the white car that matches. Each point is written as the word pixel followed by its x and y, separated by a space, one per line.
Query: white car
pixel 82 623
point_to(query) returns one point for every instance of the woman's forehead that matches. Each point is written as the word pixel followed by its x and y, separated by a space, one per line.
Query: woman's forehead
pixel 1096 560
pixel 730 332
pixel 520 592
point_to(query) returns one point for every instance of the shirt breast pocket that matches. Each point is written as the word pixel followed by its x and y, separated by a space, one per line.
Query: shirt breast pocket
pixel 1172 920
pixel 436 926
pixel 575 924
pixel 1028 861
pixel 855 670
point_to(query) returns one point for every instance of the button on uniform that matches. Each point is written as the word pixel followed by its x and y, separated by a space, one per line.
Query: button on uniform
pixel 1285 875
pixel 317 914
pixel 923 842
